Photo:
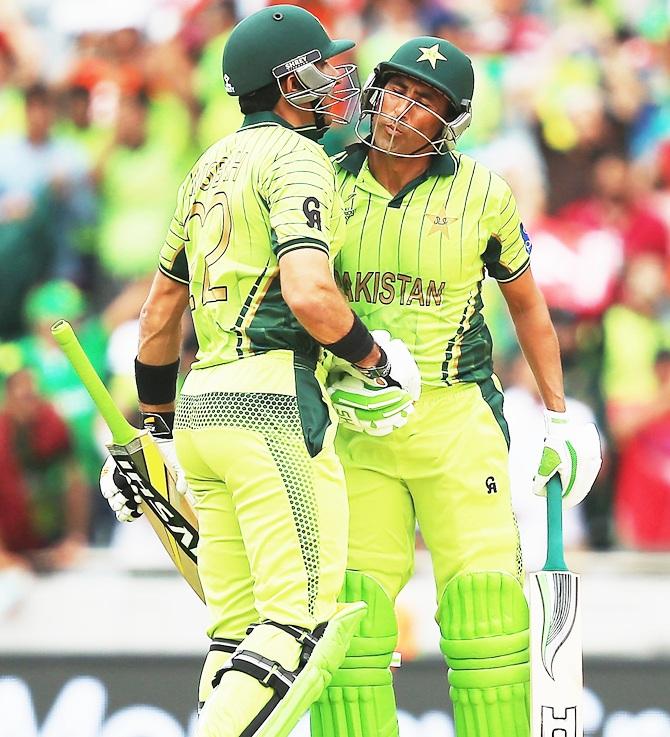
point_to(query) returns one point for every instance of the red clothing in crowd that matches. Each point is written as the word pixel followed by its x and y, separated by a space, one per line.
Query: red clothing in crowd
pixel 26 453
pixel 642 501
pixel 640 229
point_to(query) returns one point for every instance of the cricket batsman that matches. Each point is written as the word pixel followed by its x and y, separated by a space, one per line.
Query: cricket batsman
pixel 249 252
pixel 425 225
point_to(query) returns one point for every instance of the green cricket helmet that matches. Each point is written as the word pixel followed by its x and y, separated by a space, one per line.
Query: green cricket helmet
pixel 281 40
pixel 434 62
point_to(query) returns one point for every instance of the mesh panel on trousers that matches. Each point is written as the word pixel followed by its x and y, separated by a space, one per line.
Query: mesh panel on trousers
pixel 277 418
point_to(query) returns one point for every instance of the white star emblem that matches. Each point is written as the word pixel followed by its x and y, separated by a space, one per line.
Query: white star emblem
pixel 431 55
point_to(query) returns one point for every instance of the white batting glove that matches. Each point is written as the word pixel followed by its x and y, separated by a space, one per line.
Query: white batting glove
pixel 162 435
pixel 369 409
pixel 573 451
pixel 404 370
pixel 119 492
pixel 399 369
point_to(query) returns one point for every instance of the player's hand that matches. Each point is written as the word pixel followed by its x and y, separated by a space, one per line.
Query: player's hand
pixel 573 451
pixel 373 410
pixel 119 492
pixel 396 368
pixel 161 432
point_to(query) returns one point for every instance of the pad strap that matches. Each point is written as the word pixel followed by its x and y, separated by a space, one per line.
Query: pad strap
pixel 268 672
pixel 224 645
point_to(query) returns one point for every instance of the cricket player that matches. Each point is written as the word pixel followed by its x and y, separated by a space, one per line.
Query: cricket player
pixel 425 226
pixel 248 251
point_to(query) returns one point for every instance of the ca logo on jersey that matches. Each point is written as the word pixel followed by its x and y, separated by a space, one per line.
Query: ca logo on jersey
pixel 312 212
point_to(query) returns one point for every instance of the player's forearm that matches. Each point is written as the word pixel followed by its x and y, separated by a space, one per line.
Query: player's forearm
pixel 539 344
pixel 160 333
pixel 327 317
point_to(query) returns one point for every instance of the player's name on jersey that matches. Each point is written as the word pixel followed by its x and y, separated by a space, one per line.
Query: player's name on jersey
pixel 385 287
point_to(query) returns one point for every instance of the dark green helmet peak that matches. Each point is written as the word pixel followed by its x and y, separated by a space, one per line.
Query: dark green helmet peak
pixel 271 44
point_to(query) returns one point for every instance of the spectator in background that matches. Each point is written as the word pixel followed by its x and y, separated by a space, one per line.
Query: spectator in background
pixel 76 124
pixel 138 179
pixel 642 501
pixel 57 380
pixel 634 330
pixel 44 196
pixel 44 502
pixel 588 132
pixel 615 205
pixel 220 112
pixel 12 118
pixel 38 167
pixel 392 22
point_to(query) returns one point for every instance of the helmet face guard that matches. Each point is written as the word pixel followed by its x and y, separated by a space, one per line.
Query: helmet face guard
pixel 320 93
pixel 372 102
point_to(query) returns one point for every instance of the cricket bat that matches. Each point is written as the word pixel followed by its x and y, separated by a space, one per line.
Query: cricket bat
pixel 556 680
pixel 137 455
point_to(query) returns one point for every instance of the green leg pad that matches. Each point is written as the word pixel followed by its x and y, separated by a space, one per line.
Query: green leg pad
pixel 240 699
pixel 483 619
pixel 359 702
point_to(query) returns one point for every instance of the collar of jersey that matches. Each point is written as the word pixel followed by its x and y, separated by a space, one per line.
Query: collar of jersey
pixel 355 156
pixel 254 120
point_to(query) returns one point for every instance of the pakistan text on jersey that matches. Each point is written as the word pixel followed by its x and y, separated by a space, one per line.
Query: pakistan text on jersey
pixel 384 287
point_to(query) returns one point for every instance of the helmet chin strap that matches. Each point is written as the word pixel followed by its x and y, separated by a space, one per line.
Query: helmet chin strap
pixel 320 121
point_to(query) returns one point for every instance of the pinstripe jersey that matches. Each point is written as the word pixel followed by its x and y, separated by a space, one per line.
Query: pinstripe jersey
pixel 251 198
pixel 414 264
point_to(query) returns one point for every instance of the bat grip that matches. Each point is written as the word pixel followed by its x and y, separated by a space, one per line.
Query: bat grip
pixel 122 431
pixel 555 556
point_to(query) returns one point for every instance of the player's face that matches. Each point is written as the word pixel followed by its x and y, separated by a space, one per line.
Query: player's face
pixel 409 116
pixel 335 87
pixel 325 67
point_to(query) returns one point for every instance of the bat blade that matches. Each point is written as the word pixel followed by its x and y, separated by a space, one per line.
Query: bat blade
pixel 556 673
pixel 556 655
pixel 169 513
pixel 137 455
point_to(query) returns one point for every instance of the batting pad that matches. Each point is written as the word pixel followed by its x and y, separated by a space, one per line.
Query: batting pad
pixel 483 619
pixel 219 654
pixel 359 702
pixel 242 705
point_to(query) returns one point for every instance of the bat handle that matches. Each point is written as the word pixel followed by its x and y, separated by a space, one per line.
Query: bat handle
pixel 555 557
pixel 122 431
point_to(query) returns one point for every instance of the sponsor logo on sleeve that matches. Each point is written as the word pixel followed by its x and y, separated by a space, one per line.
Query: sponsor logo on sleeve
pixel 526 239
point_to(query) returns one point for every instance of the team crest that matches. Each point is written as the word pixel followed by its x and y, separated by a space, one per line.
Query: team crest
pixel 431 54
pixel 440 222
pixel 230 89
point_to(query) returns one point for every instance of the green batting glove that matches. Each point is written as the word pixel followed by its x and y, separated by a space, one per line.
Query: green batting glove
pixel 364 408
pixel 572 450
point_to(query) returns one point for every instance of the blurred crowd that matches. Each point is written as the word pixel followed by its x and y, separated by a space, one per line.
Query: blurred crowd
pixel 105 106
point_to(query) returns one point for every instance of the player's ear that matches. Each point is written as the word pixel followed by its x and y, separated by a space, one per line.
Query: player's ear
pixel 290 83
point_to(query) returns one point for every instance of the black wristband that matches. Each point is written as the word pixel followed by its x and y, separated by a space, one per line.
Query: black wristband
pixel 156 384
pixel 355 345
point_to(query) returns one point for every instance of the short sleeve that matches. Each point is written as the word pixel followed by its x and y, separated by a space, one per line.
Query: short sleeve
pixel 172 258
pixel 299 188
pixel 507 253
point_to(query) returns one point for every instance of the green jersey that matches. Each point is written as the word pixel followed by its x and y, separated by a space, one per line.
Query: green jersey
pixel 250 198
pixel 414 264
